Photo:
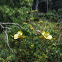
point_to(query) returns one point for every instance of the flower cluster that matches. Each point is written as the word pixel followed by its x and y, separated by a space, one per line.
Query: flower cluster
pixel 19 35
pixel 46 35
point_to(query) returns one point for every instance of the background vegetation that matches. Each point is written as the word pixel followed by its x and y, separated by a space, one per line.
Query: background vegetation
pixel 32 48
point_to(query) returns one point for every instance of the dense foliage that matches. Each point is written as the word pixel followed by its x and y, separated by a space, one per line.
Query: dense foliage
pixel 29 44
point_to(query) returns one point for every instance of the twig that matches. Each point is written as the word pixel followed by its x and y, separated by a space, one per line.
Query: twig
pixel 6 36
pixel 3 26
pixel 11 24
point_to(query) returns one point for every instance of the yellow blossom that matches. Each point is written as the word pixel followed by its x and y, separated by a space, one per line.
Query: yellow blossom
pixel 16 36
pixel 31 28
pixel 46 35
pixel 41 21
pixel 43 32
pixel 19 35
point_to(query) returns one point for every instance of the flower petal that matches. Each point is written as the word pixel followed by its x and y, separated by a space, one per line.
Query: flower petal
pixel 20 33
pixel 16 36
pixel 43 32
pixel 31 28
pixel 47 33
pixel 42 37
pixel 48 37
pixel 21 37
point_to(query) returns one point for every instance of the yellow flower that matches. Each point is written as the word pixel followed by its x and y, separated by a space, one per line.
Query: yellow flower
pixel 43 32
pixel 19 35
pixel 31 28
pixel 40 21
pixel 16 36
pixel 46 35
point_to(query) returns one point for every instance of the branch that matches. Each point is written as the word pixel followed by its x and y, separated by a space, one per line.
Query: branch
pixel 11 24
pixel 6 36
pixel 5 30
pixel 3 26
